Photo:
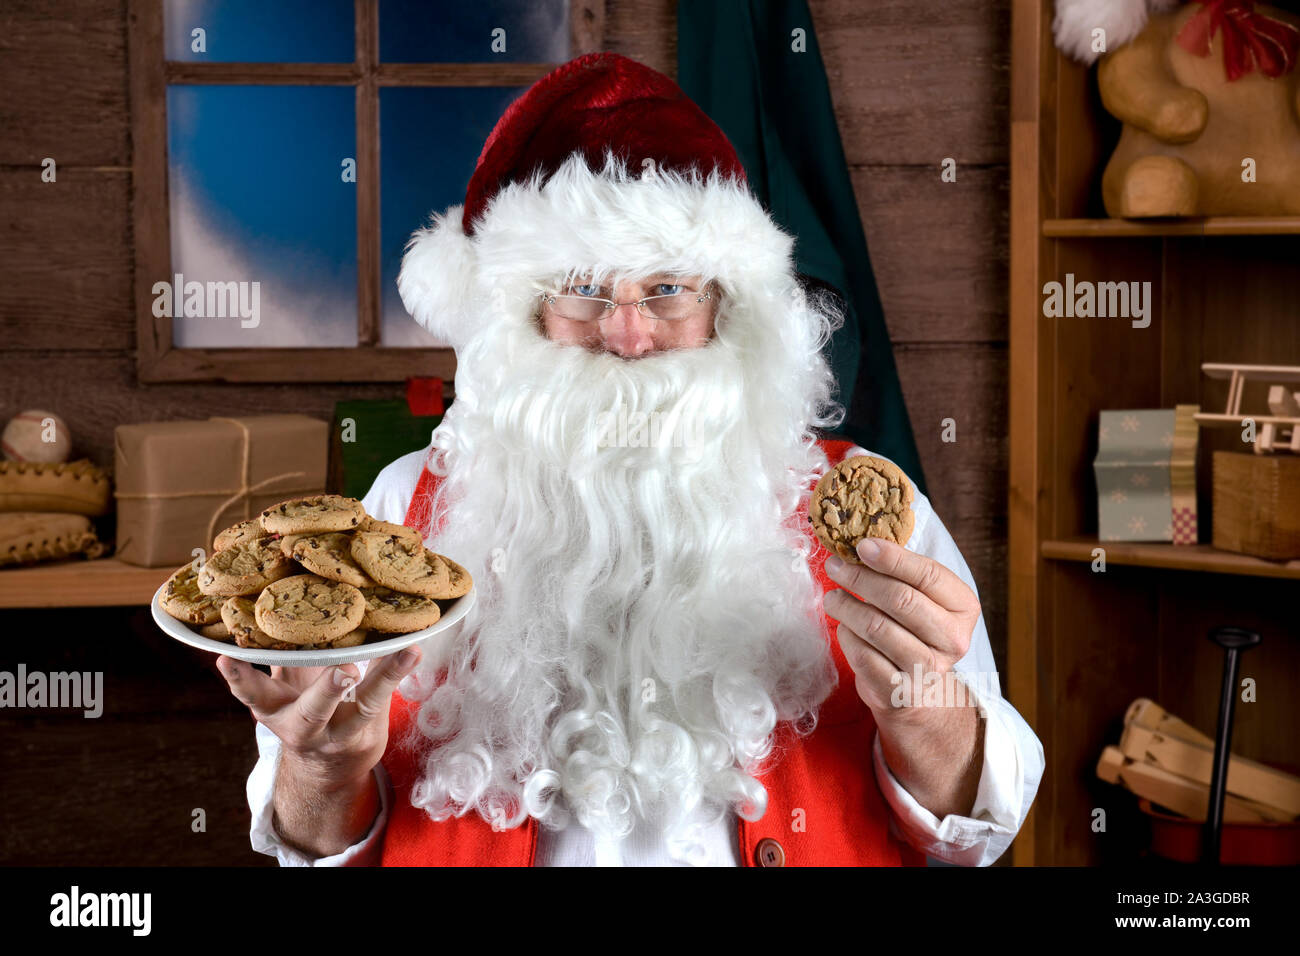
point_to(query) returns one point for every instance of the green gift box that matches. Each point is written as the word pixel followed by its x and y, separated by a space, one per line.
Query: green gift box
pixel 368 435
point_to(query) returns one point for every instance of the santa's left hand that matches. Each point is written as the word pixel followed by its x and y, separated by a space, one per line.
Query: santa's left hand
pixel 912 612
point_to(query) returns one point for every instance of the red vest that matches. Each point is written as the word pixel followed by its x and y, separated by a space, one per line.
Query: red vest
pixel 824 806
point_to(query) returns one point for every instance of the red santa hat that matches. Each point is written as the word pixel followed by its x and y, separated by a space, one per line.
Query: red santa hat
pixel 602 164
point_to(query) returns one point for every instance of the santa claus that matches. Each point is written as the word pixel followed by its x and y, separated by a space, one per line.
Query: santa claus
pixel 658 667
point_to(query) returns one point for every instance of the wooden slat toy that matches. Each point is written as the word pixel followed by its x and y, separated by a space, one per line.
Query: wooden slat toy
pixel 1277 431
pixel 1177 793
pixel 1246 778
pixel 1168 761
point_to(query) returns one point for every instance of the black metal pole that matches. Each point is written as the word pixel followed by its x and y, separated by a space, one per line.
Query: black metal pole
pixel 1233 640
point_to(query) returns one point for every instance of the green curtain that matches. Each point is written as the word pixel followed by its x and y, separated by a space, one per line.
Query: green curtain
pixel 764 84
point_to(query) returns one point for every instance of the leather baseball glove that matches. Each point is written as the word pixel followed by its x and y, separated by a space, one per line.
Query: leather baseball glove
pixel 27 537
pixel 73 487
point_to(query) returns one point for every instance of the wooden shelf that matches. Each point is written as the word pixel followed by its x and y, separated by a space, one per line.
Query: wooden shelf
pixel 1210 226
pixel 1081 647
pixel 105 582
pixel 1198 557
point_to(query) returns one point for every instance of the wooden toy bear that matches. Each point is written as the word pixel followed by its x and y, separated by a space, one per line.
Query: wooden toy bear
pixel 1210 100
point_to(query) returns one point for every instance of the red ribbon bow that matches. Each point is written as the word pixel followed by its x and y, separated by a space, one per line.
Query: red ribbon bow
pixel 1249 38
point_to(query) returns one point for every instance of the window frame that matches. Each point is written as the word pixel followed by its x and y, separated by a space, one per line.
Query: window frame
pixel 157 359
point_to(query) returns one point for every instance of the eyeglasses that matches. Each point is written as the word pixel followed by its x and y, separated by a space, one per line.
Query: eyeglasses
pixel 585 308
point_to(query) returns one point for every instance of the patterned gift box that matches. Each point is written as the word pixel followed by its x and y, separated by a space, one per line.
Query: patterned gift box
pixel 1146 475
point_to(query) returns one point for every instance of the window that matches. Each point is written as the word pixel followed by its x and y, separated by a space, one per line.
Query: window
pixel 283 154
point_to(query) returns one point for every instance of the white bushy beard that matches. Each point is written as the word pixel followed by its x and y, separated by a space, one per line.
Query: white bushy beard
pixel 645 616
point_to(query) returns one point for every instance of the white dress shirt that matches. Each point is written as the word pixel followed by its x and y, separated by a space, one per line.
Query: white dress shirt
pixel 1013 755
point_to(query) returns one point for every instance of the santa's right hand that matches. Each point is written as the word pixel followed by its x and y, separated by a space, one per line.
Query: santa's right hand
pixel 332 725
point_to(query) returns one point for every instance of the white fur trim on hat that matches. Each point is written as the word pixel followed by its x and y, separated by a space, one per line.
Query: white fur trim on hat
pixel 1122 20
pixel 612 221
pixel 437 277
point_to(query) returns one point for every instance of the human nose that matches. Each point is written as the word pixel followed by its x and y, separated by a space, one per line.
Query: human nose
pixel 627 332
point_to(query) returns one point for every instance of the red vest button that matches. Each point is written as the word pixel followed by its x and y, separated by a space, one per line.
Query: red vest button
pixel 769 853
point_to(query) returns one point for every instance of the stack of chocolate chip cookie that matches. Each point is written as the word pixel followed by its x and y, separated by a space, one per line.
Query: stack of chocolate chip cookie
pixel 312 573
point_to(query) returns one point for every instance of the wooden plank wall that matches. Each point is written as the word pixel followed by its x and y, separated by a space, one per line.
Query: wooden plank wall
pixel 909 90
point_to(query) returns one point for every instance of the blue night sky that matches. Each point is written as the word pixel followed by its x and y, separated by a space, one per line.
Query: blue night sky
pixel 254 172
pixel 430 140
pixel 410 31
pixel 257 195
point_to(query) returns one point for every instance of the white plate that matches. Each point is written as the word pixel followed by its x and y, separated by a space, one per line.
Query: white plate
pixel 321 658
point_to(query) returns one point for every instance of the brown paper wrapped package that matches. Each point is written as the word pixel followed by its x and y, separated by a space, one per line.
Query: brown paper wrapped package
pixel 179 483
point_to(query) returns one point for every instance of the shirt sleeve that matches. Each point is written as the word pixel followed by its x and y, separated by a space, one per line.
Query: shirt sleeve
pixel 261 787
pixel 390 495
pixel 1013 754
pixel 387 500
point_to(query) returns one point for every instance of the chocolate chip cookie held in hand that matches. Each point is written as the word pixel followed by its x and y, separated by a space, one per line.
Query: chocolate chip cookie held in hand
pixel 861 497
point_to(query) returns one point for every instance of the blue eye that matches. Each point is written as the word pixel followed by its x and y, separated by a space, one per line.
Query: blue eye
pixel 581 290
pixel 667 289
